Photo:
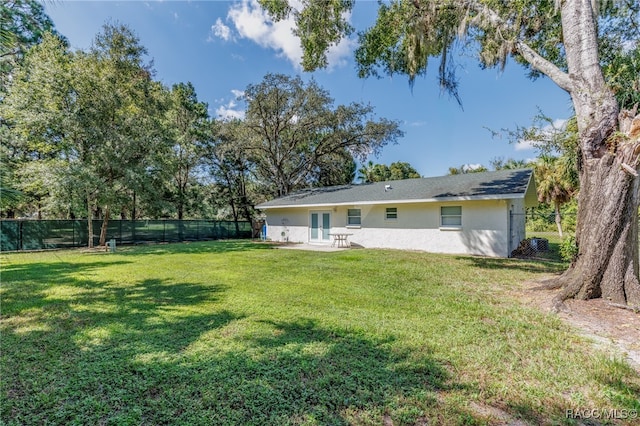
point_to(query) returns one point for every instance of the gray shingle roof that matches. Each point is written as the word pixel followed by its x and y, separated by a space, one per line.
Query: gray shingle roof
pixel 471 186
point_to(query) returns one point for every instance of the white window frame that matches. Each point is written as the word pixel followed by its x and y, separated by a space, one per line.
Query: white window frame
pixel 450 216
pixel 354 216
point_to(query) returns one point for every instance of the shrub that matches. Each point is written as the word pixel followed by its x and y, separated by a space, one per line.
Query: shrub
pixel 568 248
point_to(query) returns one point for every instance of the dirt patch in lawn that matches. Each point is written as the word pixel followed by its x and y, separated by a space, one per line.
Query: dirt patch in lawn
pixel 614 329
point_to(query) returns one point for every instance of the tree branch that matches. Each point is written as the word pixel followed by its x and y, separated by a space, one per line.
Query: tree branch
pixel 538 62
pixel 10 53
pixel 558 76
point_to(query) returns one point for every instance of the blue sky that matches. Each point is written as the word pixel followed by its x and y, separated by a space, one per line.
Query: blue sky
pixel 222 46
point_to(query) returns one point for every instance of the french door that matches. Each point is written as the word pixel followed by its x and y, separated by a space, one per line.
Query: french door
pixel 320 227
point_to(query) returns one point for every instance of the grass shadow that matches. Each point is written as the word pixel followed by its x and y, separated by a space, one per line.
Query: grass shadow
pixel 534 266
pixel 107 348
pixel 52 272
pixel 28 285
pixel 197 247
pixel 302 373
pixel 95 356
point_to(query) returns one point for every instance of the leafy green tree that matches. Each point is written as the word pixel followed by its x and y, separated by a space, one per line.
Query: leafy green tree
pixel 231 169
pixel 556 170
pixel 466 168
pixel 187 122
pixel 9 196
pixel 398 170
pixel 572 42
pixel 381 173
pixel 33 113
pixel 335 169
pixel 554 184
pixel 401 170
pixel 36 180
pixel 500 163
pixel 496 164
pixel 293 127
pixel 23 23
pixel 365 172
pixel 120 121
pixel 99 111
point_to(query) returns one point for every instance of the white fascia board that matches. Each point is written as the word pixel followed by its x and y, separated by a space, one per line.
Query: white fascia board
pixel 410 201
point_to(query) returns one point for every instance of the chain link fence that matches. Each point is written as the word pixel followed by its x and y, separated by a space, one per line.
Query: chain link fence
pixel 543 239
pixel 51 234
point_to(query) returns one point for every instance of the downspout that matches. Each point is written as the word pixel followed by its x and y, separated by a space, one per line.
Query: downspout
pixel 510 227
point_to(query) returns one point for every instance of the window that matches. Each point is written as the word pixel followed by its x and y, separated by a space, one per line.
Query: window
pixel 451 217
pixel 354 217
pixel 391 213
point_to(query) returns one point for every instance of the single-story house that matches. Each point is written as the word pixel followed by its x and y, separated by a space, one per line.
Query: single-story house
pixel 475 213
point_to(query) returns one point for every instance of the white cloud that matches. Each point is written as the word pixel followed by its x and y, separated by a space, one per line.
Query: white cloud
pixel 237 93
pixel 547 131
pixel 230 110
pixel 220 30
pixel 253 23
pixel 523 145
pixel 226 112
pixel 629 45
pixel 337 55
pixel 470 167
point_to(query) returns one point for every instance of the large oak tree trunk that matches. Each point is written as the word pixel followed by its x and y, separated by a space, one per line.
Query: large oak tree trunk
pixel 607 236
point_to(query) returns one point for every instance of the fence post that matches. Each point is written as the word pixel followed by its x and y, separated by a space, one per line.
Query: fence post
pixel 20 236
pixel 510 235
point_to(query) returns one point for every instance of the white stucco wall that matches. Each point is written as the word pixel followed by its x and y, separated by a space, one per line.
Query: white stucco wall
pixel 294 223
pixel 485 227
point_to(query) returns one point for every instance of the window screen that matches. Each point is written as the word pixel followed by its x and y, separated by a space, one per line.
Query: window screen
pixel 451 216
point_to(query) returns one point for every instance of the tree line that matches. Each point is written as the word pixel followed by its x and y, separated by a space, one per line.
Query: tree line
pixel 91 134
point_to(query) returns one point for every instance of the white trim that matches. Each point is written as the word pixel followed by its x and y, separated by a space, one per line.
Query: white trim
pixel 320 239
pixel 450 228
pixel 409 201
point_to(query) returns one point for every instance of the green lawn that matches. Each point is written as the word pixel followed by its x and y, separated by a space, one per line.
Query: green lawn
pixel 238 333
